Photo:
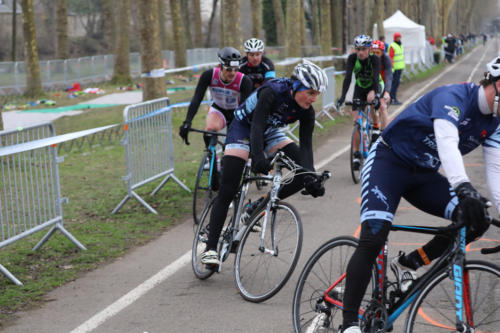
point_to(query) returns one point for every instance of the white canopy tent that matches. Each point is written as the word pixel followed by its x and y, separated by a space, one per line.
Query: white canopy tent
pixel 412 34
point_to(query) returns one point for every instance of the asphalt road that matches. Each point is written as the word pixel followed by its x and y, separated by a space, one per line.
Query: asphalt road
pixel 152 289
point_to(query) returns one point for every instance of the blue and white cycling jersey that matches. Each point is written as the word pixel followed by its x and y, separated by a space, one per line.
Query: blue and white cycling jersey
pixel 286 110
pixel 411 133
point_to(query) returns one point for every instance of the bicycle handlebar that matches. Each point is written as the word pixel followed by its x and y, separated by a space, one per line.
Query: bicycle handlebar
pixel 206 132
pixel 490 250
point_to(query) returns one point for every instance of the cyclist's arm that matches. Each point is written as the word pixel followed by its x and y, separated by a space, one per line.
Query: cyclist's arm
pixel 447 145
pixel 201 88
pixel 265 102
pixel 491 153
pixel 270 73
pixel 376 73
pixel 388 72
pixel 349 66
pixel 492 162
pixel 246 88
pixel 305 135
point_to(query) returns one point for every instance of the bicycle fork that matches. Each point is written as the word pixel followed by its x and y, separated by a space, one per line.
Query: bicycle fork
pixel 273 197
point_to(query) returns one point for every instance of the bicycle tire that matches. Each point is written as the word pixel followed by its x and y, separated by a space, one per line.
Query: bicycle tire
pixel 316 278
pixel 199 245
pixel 434 308
pixel 356 174
pixel 250 261
pixel 202 194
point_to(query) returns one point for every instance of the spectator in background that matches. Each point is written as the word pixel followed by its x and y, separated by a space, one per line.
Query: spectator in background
pixel 396 52
pixel 386 46
pixel 449 48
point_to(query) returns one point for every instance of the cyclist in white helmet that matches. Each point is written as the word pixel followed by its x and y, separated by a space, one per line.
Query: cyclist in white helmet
pixel 258 67
pixel 433 132
pixel 256 131
pixel 368 84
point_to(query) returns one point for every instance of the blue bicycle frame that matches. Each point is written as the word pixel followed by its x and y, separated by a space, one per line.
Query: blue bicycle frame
pixel 365 127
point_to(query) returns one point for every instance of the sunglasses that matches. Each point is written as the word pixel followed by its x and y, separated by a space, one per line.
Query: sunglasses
pixel 230 69
pixel 361 48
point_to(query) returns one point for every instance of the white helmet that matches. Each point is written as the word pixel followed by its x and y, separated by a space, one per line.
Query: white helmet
pixel 362 41
pixel 493 68
pixel 311 76
pixel 253 45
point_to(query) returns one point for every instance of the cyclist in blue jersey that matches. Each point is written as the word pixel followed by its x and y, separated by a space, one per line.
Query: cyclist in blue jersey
pixel 256 130
pixel 436 130
pixel 255 65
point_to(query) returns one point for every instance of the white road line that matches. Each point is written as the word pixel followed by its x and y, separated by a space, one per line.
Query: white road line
pixel 133 295
pixel 477 65
pixel 169 270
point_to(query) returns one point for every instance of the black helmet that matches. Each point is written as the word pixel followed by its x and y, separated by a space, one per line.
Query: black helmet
pixel 229 57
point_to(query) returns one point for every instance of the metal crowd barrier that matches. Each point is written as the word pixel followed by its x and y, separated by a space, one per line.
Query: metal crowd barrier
pixel 149 148
pixel 30 197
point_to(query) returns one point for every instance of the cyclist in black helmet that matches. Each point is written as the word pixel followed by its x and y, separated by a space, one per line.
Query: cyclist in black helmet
pixel 228 89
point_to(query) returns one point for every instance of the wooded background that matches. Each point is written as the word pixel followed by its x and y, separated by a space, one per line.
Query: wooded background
pixel 59 29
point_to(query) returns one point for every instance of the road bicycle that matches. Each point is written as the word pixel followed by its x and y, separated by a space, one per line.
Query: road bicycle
pixel 363 128
pixel 453 295
pixel 265 259
pixel 208 175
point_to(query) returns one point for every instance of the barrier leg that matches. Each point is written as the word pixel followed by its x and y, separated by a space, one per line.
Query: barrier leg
pixel 181 184
pixel 144 203
pixel 120 205
pixel 10 276
pixel 64 232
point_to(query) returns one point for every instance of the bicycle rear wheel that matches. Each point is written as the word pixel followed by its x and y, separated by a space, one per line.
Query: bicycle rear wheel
pixel 204 189
pixel 259 273
pixel 311 313
pixel 434 308
pixel 356 171
pixel 201 271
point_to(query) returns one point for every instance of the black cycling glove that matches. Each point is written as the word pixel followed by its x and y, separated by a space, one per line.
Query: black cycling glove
pixel 313 186
pixel 472 206
pixel 261 164
pixel 184 131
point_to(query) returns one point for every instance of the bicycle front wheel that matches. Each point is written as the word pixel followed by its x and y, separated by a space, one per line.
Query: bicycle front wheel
pixel 356 166
pixel 200 270
pixel 260 272
pixel 311 312
pixel 434 309
pixel 204 188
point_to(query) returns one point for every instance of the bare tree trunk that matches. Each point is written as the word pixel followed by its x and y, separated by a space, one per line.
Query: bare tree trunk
pixel 198 36
pixel 121 72
pixel 378 17
pixel 326 33
pixel 33 81
pixel 223 4
pixel 211 23
pixel 230 16
pixel 303 32
pixel 162 19
pixel 336 22
pixel 186 23
pixel 292 33
pixel 315 24
pixel 444 7
pixel 62 30
pixel 179 46
pixel 256 18
pixel 109 23
pixel 14 31
pixel 344 26
pixel 280 21
pixel 149 31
